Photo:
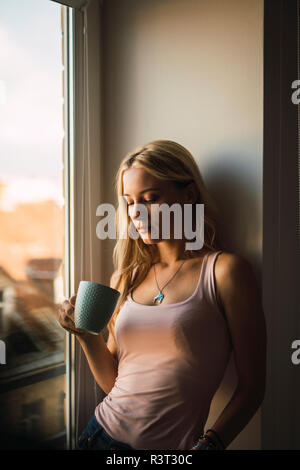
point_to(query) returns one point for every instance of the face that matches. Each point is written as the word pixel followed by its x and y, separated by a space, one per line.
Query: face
pixel 140 187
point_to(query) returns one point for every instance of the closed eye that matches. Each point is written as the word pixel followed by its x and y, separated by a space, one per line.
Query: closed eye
pixel 150 201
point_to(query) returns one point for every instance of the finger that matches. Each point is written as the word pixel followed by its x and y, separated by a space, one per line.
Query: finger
pixel 67 308
pixel 61 314
pixel 68 323
pixel 71 324
pixel 75 332
pixel 65 318
pixel 66 305
pixel 69 330
pixel 70 311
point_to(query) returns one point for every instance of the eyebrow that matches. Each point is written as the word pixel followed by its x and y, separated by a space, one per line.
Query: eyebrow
pixel 144 191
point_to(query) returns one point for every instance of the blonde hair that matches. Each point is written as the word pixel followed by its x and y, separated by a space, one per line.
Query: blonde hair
pixel 168 161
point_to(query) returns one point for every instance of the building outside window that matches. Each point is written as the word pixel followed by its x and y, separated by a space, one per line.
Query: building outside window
pixel 32 214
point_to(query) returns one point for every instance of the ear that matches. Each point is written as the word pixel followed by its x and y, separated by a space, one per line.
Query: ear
pixel 191 193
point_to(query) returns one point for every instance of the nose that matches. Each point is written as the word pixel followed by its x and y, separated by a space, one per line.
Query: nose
pixel 135 212
pixel 139 212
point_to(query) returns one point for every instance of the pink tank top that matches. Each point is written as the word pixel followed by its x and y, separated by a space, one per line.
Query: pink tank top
pixel 172 359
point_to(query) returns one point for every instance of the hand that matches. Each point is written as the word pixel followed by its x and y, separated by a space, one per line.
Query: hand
pixel 66 318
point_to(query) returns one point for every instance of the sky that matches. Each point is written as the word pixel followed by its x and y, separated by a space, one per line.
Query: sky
pixel 31 126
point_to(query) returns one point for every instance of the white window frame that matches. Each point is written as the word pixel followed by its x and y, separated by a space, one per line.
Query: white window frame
pixel 82 393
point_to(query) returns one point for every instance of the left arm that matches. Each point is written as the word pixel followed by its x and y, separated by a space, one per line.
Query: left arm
pixel 239 295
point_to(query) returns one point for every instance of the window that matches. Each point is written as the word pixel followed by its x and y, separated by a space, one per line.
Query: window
pixel 32 219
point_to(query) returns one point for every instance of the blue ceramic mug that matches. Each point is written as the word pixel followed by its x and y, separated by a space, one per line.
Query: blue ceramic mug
pixel 95 303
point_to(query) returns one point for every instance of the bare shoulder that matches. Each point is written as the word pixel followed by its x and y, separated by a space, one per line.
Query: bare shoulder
pixel 234 276
pixel 231 264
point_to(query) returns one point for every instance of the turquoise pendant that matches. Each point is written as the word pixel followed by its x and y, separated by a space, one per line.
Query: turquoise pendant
pixel 159 297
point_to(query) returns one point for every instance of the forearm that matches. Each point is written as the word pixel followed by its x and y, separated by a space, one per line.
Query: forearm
pixel 102 363
pixel 236 415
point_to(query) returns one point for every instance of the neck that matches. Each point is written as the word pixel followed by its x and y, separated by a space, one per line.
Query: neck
pixel 169 252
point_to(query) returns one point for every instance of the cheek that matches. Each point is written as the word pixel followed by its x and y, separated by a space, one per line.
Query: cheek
pixel 155 216
pixel 130 211
pixel 156 223
pixel 133 213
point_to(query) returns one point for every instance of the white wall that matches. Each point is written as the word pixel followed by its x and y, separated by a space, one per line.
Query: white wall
pixel 192 71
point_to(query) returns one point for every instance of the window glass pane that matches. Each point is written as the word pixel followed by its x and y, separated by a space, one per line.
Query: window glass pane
pixel 32 373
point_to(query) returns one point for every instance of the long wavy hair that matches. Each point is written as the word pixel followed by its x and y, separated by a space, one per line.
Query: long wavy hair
pixel 168 161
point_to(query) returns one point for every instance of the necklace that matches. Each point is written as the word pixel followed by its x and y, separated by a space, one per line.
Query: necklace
pixel 160 296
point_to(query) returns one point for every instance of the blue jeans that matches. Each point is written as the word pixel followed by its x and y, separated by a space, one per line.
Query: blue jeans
pixel 94 437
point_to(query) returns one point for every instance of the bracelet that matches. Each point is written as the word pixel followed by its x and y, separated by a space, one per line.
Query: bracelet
pixel 202 446
pixel 217 436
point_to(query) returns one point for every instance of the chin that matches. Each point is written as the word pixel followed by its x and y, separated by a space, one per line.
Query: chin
pixel 149 241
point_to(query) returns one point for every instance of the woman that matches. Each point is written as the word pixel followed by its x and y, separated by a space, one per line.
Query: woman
pixel 180 315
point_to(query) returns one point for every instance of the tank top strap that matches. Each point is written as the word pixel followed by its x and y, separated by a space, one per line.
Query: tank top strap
pixel 209 288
